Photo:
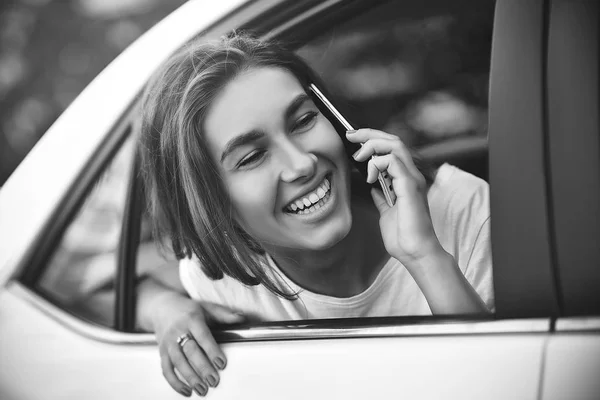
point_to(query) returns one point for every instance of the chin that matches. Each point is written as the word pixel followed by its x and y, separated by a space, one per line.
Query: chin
pixel 330 236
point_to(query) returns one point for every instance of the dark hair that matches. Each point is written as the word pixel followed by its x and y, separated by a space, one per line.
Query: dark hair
pixel 187 198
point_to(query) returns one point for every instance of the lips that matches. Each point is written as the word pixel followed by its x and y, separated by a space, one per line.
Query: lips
pixel 311 200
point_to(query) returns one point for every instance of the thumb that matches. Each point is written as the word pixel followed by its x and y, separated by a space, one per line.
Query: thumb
pixel 379 200
pixel 223 315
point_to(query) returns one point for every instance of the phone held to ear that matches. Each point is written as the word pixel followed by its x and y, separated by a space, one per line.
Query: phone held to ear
pixel 341 123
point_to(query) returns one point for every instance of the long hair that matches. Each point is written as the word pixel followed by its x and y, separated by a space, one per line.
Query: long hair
pixel 186 196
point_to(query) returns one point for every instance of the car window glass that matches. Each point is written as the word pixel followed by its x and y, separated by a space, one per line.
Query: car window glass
pixel 80 275
pixel 419 70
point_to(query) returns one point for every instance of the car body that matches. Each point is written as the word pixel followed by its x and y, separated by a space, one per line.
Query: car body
pixel 543 341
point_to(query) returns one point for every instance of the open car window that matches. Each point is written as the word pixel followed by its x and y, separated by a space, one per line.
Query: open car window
pixel 421 73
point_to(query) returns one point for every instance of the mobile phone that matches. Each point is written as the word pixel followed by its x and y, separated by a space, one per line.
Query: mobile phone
pixel 342 125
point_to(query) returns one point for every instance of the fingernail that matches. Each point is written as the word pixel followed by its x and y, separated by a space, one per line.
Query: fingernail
pixel 186 391
pixel 200 389
pixel 356 154
pixel 350 131
pixel 220 363
pixel 212 381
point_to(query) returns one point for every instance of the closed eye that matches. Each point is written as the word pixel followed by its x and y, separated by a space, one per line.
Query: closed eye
pixel 254 158
pixel 305 121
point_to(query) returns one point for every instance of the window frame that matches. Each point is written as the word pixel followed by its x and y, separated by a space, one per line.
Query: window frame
pixel 522 234
pixel 574 152
pixel 72 201
pixel 291 28
pixel 69 207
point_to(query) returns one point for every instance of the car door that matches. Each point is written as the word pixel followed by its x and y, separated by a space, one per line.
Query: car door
pixel 88 351
pixel 572 362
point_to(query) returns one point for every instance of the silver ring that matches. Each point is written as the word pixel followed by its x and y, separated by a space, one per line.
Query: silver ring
pixel 181 340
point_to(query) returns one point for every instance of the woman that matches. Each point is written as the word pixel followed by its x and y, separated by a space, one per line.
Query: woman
pixel 252 185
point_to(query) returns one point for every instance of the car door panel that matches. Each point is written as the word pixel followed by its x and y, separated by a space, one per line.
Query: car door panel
pixel 572 367
pixel 470 366
pixel 73 366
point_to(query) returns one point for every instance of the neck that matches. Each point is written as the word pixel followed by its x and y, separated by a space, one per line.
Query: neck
pixel 346 269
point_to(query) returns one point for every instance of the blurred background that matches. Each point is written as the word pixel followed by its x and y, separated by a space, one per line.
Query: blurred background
pixel 420 74
pixel 49 51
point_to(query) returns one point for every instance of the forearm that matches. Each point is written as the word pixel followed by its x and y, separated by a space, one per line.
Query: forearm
pixel 445 287
pixel 150 294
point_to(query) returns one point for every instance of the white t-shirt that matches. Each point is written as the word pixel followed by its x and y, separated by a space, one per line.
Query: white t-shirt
pixel 460 212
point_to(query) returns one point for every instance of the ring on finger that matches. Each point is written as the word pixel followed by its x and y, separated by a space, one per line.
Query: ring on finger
pixel 182 340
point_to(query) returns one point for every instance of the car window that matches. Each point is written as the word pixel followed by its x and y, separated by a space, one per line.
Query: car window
pixel 421 73
pixel 79 276
pixel 419 70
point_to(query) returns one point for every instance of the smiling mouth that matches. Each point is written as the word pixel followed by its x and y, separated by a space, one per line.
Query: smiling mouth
pixel 312 201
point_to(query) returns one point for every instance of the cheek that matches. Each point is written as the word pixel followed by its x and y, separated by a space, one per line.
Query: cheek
pixel 331 143
pixel 253 197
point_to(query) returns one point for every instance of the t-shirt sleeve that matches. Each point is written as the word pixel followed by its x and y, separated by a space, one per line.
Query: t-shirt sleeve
pixel 479 266
pixel 460 211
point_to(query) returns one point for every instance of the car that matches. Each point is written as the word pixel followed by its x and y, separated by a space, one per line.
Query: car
pixel 74 235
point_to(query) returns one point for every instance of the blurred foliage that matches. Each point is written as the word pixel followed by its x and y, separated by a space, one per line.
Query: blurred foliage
pixel 49 51
pixel 416 69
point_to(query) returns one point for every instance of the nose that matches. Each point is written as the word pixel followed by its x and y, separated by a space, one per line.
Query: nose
pixel 297 163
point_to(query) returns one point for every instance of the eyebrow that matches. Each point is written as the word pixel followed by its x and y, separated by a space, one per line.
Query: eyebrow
pixel 239 141
pixel 254 135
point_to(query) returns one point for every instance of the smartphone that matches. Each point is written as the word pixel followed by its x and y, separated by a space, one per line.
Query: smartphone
pixel 342 125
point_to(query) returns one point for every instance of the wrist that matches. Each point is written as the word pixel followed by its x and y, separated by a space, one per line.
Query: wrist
pixel 435 264
pixel 430 253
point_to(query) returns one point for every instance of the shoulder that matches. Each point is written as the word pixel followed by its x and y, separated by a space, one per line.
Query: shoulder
pixel 456 194
pixel 459 203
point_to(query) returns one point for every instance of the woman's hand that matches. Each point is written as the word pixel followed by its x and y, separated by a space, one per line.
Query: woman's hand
pixel 200 358
pixel 406 227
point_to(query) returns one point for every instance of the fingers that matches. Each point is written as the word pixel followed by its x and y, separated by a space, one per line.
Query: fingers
pixel 376 142
pixel 198 359
pixel 402 180
pixel 204 354
pixel 208 356
pixel 169 374
pixel 379 201
pixel 196 356
pixel 364 134
pixel 180 362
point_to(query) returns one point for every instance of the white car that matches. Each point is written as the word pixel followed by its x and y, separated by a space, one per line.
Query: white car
pixel 73 236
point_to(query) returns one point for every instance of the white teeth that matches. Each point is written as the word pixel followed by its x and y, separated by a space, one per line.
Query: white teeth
pixel 312 201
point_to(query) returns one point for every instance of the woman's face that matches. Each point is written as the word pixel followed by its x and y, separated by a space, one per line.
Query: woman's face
pixel 283 164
